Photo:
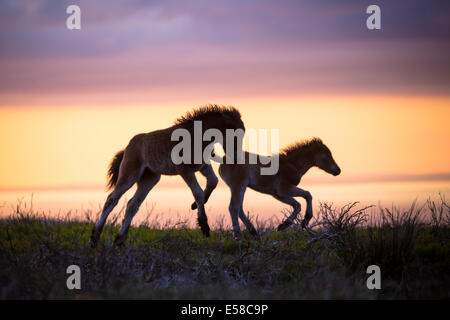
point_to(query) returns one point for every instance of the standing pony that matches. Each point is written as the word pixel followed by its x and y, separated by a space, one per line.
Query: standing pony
pixel 149 155
pixel 294 161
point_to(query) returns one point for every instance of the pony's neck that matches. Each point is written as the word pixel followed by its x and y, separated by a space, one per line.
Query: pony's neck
pixel 302 155
pixel 302 161
pixel 303 165
pixel 236 153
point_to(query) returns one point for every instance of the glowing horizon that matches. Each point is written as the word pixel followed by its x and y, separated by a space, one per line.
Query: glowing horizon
pixel 52 146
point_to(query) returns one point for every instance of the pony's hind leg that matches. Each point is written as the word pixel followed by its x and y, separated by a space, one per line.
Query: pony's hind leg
pixel 235 207
pixel 296 209
pixel 145 184
pixel 248 224
pixel 129 173
pixel 111 202
pixel 189 177
pixel 211 183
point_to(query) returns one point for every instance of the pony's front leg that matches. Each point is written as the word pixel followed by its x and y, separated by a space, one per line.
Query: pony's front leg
pixel 297 192
pixel 309 211
pixel 211 183
pixel 197 192
pixel 296 209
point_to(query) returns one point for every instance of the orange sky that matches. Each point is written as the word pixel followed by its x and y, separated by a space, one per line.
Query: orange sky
pixel 370 137
pixel 70 99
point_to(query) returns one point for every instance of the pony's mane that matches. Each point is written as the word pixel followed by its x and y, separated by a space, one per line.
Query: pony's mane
pixel 304 147
pixel 206 111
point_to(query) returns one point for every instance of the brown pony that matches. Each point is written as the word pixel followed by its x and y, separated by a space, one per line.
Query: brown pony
pixel 294 161
pixel 148 156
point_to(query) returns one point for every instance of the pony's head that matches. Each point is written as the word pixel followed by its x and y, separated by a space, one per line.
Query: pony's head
pixel 311 153
pixel 323 159
pixel 232 119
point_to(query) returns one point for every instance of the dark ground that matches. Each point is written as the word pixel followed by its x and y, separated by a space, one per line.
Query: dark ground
pixel 178 263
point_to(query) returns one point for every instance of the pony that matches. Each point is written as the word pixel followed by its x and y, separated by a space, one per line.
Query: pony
pixel 149 155
pixel 294 161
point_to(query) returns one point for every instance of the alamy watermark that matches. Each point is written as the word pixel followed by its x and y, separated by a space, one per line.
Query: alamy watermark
pixel 374 281
pixel 74 280
pixel 374 20
pixel 73 22
pixel 258 141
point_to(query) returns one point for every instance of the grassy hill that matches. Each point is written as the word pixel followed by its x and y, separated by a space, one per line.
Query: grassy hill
pixel 411 248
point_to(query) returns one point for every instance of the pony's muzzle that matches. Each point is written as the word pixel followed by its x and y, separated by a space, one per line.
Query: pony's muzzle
pixel 336 171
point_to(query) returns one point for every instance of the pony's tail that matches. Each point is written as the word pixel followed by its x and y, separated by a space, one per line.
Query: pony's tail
pixel 113 170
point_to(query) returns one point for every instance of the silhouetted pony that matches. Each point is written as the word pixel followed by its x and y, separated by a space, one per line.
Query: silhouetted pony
pixel 148 156
pixel 294 162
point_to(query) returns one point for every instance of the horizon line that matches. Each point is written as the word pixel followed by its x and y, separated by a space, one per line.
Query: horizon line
pixel 368 179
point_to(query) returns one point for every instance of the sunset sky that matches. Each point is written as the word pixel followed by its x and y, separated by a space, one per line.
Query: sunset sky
pixel 69 99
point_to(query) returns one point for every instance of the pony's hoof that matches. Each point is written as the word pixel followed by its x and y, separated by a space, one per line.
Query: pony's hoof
pixel 119 241
pixel 93 243
pixel 94 239
pixel 283 226
pixel 206 233
pixel 257 237
pixel 255 234
pixel 237 236
pixel 305 224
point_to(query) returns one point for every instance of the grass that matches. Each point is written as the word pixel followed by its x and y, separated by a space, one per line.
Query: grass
pixel 175 262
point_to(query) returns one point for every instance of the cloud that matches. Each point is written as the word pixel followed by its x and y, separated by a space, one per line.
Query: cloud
pixel 26 26
pixel 278 47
